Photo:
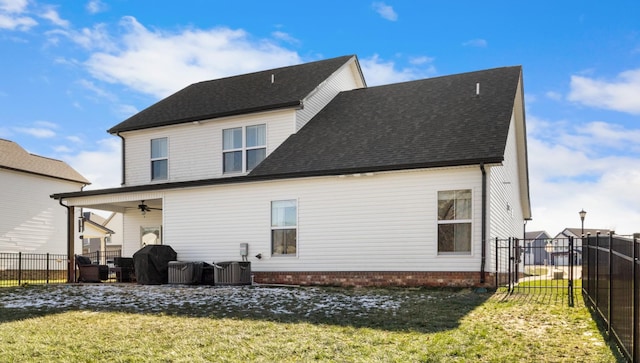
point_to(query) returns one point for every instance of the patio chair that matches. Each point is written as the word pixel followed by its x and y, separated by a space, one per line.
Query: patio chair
pixel 89 272
pixel 124 269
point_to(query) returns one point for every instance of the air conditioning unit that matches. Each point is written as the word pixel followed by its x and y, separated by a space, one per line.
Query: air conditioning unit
pixel 232 273
pixel 186 273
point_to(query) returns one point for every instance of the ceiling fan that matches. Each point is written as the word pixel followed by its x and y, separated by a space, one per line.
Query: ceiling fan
pixel 145 208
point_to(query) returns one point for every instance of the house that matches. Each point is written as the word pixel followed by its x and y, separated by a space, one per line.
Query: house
pixel 30 221
pixel 316 178
pixel 534 248
pixel 560 254
pixel 101 234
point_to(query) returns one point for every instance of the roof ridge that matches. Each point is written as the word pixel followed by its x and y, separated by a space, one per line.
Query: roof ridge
pixel 270 70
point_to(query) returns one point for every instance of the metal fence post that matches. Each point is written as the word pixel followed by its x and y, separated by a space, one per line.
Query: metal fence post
pixel 509 267
pixel 634 312
pixel 570 281
pixel 47 277
pixel 19 268
pixel 497 263
pixel 609 297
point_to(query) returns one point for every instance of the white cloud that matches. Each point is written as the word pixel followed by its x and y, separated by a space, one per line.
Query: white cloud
pixel 95 6
pixel 148 61
pixel 22 23
pixel 621 94
pixel 553 95
pixel 96 38
pixel 478 43
pixel 46 124
pixel 12 15
pixel 37 132
pixel 98 91
pixel 421 60
pixel 379 72
pixel 566 175
pixel 101 166
pixel 52 15
pixel 285 37
pixel 75 139
pixel 13 6
pixel 385 11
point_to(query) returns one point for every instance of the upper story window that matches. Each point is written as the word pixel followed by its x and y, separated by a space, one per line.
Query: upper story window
pixel 159 159
pixel 243 148
pixel 454 221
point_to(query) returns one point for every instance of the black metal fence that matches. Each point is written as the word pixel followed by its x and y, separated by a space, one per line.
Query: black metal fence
pixel 547 267
pixel 611 287
pixel 103 257
pixel 32 268
pixel 44 268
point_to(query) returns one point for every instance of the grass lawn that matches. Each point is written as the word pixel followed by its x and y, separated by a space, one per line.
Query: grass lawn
pixel 135 323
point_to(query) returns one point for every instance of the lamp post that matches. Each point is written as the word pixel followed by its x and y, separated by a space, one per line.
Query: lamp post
pixel 582 214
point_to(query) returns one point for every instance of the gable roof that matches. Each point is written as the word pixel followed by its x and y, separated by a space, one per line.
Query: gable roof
pixel 14 157
pixel 427 123
pixel 235 95
pixel 536 235
pixel 577 232
pixel 96 222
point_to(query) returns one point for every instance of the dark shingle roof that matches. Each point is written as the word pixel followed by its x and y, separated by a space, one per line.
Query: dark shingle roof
pixel 235 95
pixel 14 157
pixel 426 123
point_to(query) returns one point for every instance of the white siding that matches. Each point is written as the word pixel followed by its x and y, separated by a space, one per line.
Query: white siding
pixel 133 222
pixel 383 222
pixel 30 221
pixel 195 149
pixel 505 208
pixel 346 78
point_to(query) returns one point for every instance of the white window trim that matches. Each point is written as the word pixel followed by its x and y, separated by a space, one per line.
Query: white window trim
pixel 272 228
pixel 455 221
pixel 152 159
pixel 244 147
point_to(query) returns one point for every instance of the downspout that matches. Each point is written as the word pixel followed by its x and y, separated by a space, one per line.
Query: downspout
pixel 484 223
pixel 122 161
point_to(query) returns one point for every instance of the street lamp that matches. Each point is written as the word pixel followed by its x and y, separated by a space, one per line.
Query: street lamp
pixel 582 214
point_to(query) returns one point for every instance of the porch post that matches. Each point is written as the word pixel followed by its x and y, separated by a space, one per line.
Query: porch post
pixel 71 263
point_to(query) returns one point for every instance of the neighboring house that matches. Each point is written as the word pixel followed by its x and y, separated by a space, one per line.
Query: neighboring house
pixel 534 247
pixel 326 180
pixel 97 236
pixel 561 245
pixel 30 221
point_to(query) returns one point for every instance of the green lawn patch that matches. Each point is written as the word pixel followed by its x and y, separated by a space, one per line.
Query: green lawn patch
pixel 134 323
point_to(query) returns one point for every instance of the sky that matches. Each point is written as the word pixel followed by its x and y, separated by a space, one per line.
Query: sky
pixel 70 70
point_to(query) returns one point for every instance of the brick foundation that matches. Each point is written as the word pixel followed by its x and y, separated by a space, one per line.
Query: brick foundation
pixel 376 278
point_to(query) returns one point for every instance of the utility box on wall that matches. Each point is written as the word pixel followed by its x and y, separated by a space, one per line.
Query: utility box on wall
pixel 244 249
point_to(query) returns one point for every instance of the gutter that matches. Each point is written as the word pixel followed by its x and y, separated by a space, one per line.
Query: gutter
pixel 484 224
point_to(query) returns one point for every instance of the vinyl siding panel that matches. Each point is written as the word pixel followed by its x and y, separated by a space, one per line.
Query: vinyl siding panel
pixel 30 221
pixel 383 222
pixel 344 79
pixel 505 209
pixel 195 149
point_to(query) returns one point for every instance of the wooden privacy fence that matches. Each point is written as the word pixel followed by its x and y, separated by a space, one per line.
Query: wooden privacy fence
pixel 611 287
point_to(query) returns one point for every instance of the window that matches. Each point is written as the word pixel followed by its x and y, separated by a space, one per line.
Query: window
pixel 159 160
pixel 241 153
pixel 454 222
pixel 284 224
